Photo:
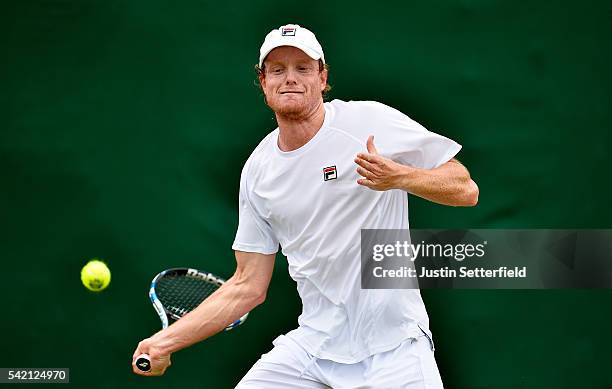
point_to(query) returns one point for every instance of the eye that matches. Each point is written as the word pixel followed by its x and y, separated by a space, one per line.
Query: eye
pixel 276 70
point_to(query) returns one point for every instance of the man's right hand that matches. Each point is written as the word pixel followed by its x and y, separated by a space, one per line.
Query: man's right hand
pixel 240 294
pixel 159 361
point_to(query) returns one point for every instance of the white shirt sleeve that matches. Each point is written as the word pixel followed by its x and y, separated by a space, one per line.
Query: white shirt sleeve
pixel 254 234
pixel 403 140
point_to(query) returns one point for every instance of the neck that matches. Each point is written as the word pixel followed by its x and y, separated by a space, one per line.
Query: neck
pixel 296 131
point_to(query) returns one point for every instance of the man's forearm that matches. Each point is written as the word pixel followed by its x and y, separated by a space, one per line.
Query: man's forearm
pixel 449 184
pixel 226 305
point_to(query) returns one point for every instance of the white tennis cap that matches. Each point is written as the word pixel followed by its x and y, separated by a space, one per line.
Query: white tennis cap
pixel 292 35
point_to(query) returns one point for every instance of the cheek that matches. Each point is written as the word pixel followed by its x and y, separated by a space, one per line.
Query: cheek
pixel 316 87
pixel 268 89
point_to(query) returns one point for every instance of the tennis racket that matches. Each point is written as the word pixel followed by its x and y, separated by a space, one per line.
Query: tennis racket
pixel 176 292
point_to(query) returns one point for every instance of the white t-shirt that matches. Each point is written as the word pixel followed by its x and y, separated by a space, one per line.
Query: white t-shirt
pixel 285 199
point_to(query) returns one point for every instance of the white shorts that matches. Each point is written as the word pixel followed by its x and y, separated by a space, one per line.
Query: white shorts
pixel 409 366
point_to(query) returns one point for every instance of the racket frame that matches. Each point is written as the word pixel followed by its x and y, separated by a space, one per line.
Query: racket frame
pixel 143 361
pixel 164 314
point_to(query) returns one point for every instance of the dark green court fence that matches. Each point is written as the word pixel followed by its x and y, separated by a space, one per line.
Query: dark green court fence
pixel 125 125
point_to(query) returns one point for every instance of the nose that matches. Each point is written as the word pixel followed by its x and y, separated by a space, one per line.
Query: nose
pixel 291 76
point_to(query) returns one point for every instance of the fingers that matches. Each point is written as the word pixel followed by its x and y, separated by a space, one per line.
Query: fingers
pixel 374 167
pixel 377 171
pixel 364 164
pixel 366 182
pixel 365 173
pixel 159 363
pixel 367 170
pixel 372 153
pixel 142 348
pixel 369 157
pixel 370 145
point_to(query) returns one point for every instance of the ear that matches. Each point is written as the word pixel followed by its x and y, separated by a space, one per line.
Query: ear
pixel 262 80
pixel 323 78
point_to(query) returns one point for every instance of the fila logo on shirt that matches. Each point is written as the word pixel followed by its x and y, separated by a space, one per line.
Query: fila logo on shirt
pixel 288 31
pixel 330 173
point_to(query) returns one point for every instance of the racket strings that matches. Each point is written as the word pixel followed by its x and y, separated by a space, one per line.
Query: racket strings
pixel 180 294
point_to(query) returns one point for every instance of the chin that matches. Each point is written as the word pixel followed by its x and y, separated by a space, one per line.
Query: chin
pixel 288 107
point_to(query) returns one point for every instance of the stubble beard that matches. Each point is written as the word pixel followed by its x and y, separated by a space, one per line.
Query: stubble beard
pixel 294 111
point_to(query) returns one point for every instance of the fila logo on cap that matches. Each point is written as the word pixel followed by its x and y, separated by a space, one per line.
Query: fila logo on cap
pixel 330 173
pixel 288 31
pixel 287 35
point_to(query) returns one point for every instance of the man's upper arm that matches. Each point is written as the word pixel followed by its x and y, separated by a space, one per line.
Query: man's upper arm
pixel 254 233
pixel 254 270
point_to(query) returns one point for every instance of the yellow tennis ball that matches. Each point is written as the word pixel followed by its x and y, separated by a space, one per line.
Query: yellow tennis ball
pixel 95 275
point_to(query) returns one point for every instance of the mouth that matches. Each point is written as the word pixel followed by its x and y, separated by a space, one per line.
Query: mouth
pixel 290 92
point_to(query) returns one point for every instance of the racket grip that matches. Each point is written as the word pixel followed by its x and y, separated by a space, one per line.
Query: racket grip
pixel 143 363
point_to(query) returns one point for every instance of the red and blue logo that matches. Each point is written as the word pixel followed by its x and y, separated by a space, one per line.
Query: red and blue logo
pixel 330 173
pixel 288 31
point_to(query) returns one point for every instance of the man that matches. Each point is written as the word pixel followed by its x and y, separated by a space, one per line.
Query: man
pixel 311 187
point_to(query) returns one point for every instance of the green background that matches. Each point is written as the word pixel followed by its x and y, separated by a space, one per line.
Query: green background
pixel 124 126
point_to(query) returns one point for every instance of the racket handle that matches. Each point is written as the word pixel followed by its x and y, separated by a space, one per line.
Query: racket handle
pixel 143 363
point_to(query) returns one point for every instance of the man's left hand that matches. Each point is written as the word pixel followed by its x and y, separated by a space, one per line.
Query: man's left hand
pixel 379 173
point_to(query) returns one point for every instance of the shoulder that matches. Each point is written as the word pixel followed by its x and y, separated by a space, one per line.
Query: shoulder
pixel 356 111
pixel 363 118
pixel 259 155
pixel 359 105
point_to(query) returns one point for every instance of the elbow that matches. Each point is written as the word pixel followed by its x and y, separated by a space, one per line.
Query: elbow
pixel 253 295
pixel 248 294
pixel 471 194
pixel 258 298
